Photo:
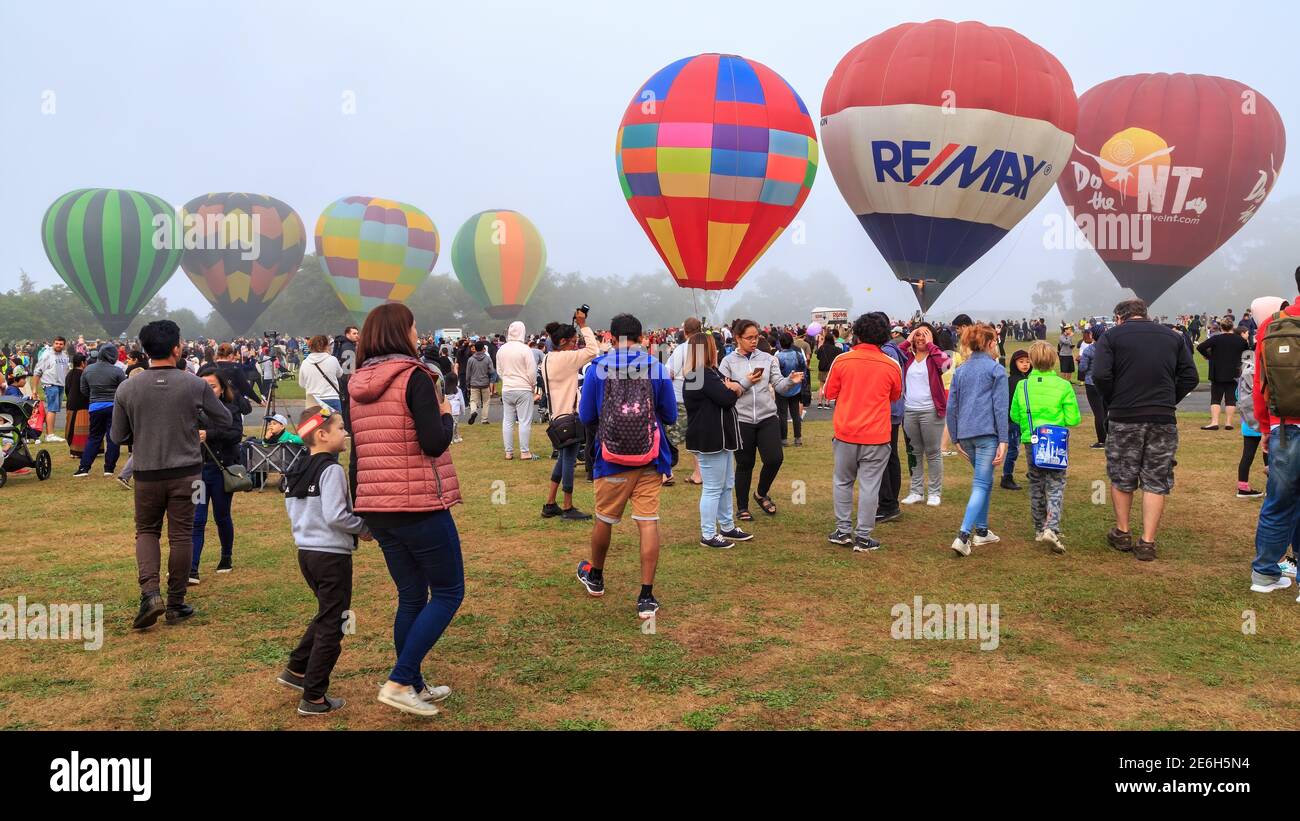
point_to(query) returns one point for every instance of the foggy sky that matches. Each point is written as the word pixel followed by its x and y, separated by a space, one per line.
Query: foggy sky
pixel 471 105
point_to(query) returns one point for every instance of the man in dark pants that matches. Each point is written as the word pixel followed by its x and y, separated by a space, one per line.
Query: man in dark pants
pixel 157 414
pixel 888 508
pixel 99 382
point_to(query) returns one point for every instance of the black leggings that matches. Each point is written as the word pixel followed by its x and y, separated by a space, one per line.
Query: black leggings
pixel 788 407
pixel 1098 406
pixel 1249 447
pixel 763 439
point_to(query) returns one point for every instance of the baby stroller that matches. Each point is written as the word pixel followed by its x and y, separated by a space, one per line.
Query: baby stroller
pixel 15 433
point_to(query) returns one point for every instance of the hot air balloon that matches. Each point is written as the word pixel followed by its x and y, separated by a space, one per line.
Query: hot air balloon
pixel 715 154
pixel 375 251
pixel 499 257
pixel 113 248
pixel 942 136
pixel 1167 167
pixel 244 250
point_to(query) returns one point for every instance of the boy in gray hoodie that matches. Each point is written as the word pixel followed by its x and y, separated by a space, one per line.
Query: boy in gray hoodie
pixel 325 530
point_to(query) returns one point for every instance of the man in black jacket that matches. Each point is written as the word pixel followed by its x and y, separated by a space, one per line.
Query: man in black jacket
pixel 1142 370
pixel 1224 351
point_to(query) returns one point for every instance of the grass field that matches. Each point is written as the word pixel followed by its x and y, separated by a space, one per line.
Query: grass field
pixel 785 631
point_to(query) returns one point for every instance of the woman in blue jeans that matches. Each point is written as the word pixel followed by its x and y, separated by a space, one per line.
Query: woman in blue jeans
pixel 1020 368
pixel 220 445
pixel 406 488
pixel 560 369
pixel 713 435
pixel 978 423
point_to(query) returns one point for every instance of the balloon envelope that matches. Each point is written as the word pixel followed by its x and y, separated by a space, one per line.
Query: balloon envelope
pixel 1166 168
pixel 942 136
pixel 814 329
pixel 715 155
pixel 113 248
pixel 499 258
pixel 375 251
pixel 249 247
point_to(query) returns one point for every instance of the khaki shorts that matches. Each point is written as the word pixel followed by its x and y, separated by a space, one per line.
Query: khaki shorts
pixel 640 485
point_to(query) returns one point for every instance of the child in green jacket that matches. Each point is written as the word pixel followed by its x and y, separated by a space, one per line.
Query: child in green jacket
pixel 277 431
pixel 1051 402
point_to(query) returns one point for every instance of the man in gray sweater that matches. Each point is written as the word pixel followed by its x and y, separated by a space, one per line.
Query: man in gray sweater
pixel 157 414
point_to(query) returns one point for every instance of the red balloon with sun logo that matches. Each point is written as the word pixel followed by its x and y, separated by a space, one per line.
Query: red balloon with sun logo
pixel 1166 168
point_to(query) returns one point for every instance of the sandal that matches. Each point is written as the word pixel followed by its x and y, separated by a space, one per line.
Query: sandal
pixel 690 481
pixel 766 503
pixel 669 481
pixel 744 516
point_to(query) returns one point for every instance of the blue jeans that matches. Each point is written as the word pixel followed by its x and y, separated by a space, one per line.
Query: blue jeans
pixel 1279 518
pixel 215 495
pixel 1013 448
pixel 981 450
pixel 718 470
pixel 101 421
pixel 424 561
pixel 565 463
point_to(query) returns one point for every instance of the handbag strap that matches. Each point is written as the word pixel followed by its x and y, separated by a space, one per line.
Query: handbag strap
pixel 317 366
pixel 214 457
pixel 546 383
pixel 1029 414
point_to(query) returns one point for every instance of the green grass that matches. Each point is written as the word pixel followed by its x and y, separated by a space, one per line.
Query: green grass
pixel 784 632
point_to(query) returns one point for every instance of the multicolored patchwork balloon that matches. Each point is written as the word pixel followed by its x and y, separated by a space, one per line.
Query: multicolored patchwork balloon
pixel 499 257
pixel 375 251
pixel 942 136
pixel 113 248
pixel 241 252
pixel 715 154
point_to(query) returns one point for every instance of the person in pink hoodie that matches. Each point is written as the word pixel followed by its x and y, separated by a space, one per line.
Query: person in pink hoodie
pixel 518 369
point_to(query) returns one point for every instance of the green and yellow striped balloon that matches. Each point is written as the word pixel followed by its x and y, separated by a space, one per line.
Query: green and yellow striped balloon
pixel 113 248
pixel 499 257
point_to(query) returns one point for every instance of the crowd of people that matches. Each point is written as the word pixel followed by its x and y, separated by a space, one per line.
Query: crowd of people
pixel 640 408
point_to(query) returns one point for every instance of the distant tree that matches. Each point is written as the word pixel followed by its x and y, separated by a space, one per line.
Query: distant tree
pixel 1050 298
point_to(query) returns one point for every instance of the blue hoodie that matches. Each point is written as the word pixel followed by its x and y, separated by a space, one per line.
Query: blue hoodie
pixel 593 396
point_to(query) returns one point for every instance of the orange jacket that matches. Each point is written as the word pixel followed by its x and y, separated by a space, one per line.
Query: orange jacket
pixel 864 380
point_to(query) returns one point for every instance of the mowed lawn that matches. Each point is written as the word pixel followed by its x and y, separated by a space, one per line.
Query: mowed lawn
pixel 786 631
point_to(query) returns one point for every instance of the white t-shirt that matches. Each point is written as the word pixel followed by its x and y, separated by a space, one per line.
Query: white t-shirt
pixel 676 367
pixel 918 395
pixel 456 404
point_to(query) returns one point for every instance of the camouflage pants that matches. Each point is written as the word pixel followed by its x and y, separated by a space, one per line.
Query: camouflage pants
pixel 1141 453
pixel 677 431
pixel 1046 497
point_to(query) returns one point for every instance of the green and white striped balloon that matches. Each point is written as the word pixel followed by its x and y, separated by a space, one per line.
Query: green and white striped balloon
pixel 113 248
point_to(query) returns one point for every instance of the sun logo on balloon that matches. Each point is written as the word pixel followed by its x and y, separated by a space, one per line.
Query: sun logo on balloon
pixel 1123 156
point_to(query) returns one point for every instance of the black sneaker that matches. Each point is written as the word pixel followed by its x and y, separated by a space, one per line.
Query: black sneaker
pixel 1098 446
pixel 79 473
pixel 472 417
pixel 179 613
pixel 1249 493
pixel 595 587
pixel 736 535
pixel 840 537
pixel 890 516
pixel 151 607
pixel 647 607
pixel 124 482
pixel 194 579
pixel 288 679
pixel 716 542
pixel 572 514
pixel 865 544
pixel 330 705
pixel 1009 483
pixel 550 510
pixel 798 441
pixel 225 565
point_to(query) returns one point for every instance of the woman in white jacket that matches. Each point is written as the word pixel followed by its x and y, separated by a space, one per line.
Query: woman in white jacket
pixel 320 374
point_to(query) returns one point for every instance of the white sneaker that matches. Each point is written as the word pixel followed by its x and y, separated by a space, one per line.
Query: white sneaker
pixel 1288 568
pixel 1053 539
pixel 430 693
pixel 407 700
pixel 1038 535
pixel 988 538
pixel 54 438
pixel 933 501
pixel 1281 584
pixel 961 546
pixel 912 498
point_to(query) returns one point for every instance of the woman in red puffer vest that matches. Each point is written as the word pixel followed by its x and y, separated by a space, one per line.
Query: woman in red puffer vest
pixel 406 487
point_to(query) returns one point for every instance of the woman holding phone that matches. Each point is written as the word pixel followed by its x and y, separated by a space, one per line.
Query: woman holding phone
pixel 759 375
